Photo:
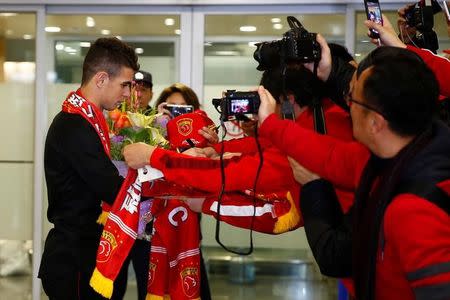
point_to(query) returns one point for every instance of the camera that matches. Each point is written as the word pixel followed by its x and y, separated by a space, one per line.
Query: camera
pixel 178 110
pixel 235 103
pixel 296 46
pixel 421 17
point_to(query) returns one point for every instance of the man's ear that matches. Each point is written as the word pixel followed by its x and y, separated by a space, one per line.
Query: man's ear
pixel 101 79
pixel 378 123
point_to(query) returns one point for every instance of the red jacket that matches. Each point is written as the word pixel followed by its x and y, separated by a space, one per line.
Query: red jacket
pixel 439 65
pixel 417 232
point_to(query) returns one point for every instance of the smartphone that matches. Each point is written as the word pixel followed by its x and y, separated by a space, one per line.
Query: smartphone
pixel 178 110
pixel 373 12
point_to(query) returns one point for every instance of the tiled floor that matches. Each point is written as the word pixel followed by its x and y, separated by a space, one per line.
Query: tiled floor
pixel 283 275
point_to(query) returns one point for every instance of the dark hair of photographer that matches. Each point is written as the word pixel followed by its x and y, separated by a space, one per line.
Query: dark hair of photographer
pixel 383 87
pixel 341 52
pixel 186 92
pixel 299 81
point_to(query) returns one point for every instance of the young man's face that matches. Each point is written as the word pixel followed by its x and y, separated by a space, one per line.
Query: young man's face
pixel 117 89
pixel 145 95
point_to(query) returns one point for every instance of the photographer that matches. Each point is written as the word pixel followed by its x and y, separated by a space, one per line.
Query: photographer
pixel 400 233
pixel 439 64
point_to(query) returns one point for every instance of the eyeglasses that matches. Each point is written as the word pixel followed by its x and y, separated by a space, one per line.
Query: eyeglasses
pixel 366 106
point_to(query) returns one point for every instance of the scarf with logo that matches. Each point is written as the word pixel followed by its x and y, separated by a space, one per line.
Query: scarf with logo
pixel 75 103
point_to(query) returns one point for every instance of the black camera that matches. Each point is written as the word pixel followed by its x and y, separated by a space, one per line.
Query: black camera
pixel 234 103
pixel 421 17
pixel 296 46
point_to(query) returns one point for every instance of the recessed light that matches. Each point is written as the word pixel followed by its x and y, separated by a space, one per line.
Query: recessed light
pixel 247 28
pixel 52 29
pixel 208 44
pixel 72 53
pixel 27 36
pixel 169 22
pixel 177 31
pixel 357 54
pixel 275 20
pixel 105 32
pixel 90 22
pixel 139 50
pixel 227 53
pixel 70 50
pixel 277 26
pixel 85 44
pixel 59 47
pixel 8 14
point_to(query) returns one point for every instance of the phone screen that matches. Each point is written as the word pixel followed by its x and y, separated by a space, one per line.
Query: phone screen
pixel 373 11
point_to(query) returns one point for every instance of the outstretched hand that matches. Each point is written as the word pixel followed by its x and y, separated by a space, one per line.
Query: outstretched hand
pixel 388 36
pixel 138 155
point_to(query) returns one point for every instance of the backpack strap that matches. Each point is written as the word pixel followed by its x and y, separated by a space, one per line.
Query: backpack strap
pixel 428 191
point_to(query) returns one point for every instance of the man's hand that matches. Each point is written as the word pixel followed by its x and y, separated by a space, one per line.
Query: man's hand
pixel 138 155
pixel 209 134
pixel 195 152
pixel 267 106
pixel 195 204
pixel 388 36
pixel 301 174
pixel 324 67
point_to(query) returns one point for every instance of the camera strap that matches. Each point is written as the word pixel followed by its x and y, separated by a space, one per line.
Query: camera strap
pixel 318 114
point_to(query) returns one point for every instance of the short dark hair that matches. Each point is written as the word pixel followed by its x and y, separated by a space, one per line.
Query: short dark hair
pixel 402 88
pixel 108 55
pixel 299 81
pixel 340 51
pixel 188 94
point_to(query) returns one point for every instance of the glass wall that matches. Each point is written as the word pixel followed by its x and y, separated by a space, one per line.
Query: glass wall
pixel 17 77
pixel 17 94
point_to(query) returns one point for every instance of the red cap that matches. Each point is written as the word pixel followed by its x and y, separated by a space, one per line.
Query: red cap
pixel 185 127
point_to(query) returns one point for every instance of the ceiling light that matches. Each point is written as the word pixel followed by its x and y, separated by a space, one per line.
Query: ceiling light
pixel 27 36
pixel 139 50
pixel 119 37
pixel 70 50
pixel 105 32
pixel 357 54
pixel 169 22
pixel 72 53
pixel 52 29
pixel 59 47
pixel 275 20
pixel 208 44
pixel 85 44
pixel 8 14
pixel 177 31
pixel 277 26
pixel 365 41
pixel 247 28
pixel 90 22
pixel 227 53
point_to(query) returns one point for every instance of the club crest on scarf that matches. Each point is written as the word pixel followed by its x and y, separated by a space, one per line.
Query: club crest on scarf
pixel 191 279
pixel 184 126
pixel 107 245
pixel 151 273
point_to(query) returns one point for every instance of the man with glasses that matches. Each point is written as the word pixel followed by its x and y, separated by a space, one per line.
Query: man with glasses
pixel 395 241
pixel 80 174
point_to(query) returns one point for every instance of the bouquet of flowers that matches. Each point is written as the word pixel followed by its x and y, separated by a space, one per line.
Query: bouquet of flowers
pixel 129 124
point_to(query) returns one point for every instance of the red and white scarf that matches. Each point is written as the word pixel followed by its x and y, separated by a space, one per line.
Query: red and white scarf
pixel 75 103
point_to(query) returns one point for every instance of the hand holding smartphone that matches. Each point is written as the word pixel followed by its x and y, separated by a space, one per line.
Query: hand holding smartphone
pixel 373 12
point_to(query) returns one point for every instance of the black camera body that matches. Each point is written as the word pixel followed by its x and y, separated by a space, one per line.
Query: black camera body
pixel 235 103
pixel 297 46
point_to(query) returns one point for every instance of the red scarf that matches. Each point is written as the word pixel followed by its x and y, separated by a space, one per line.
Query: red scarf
pixel 118 236
pixel 75 103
